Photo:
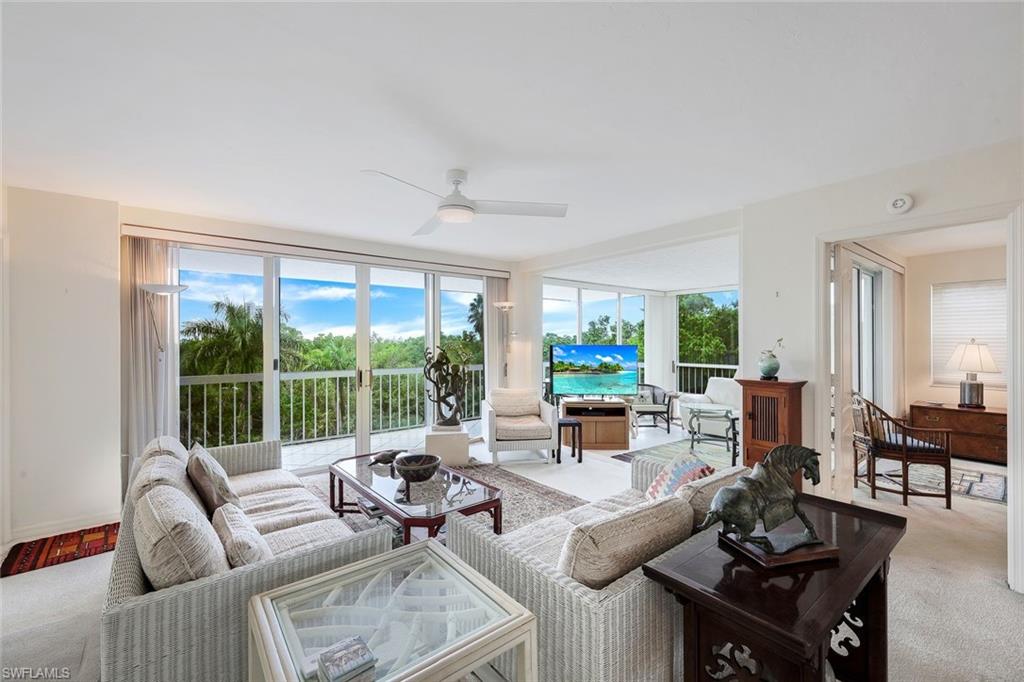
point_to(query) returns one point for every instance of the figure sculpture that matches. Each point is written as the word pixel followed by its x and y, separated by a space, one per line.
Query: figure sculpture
pixel 446 387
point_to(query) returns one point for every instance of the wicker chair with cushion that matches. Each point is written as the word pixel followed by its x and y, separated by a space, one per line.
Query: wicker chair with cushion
pixel 891 438
pixel 654 402
pixel 517 419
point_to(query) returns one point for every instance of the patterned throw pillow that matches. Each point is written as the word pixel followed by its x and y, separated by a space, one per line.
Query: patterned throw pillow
pixel 210 479
pixel 644 397
pixel 677 473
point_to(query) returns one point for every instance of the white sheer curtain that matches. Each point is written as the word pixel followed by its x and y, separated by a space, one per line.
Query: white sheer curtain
pixel 898 379
pixel 149 396
pixel 495 333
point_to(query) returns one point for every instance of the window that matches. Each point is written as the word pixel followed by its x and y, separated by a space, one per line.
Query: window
pixel 561 324
pixel 865 287
pixel 708 338
pixel 600 316
pixel 962 311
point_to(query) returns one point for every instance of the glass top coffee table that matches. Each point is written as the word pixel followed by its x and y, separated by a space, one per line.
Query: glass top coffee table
pixel 412 505
pixel 424 614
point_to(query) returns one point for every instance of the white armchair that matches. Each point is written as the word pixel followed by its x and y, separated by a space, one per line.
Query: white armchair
pixel 720 392
pixel 516 419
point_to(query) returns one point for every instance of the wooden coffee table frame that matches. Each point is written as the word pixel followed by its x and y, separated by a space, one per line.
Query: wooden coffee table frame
pixel 339 477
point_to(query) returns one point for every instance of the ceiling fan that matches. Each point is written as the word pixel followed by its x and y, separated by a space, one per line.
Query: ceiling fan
pixel 458 208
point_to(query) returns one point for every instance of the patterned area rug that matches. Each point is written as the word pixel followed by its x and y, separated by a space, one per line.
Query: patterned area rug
pixel 58 549
pixel 522 500
pixel 965 482
pixel 717 456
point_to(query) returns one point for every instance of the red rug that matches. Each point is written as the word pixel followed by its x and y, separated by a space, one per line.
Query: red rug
pixel 57 549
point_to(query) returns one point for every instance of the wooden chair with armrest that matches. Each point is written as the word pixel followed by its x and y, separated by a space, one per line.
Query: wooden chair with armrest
pixel 878 435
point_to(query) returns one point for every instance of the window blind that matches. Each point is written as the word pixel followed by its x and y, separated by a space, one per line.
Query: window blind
pixel 962 311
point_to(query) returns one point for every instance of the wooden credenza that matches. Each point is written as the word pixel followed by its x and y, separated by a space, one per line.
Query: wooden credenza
pixel 978 433
pixel 605 423
pixel 772 416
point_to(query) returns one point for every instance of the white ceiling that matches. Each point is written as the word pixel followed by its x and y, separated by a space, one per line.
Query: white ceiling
pixel 636 115
pixel 942 240
pixel 707 264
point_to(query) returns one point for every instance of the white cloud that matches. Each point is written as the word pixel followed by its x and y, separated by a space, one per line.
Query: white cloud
pixel 559 352
pixel 460 297
pixel 390 330
pixel 619 357
pixel 605 358
pixel 291 292
pixel 208 288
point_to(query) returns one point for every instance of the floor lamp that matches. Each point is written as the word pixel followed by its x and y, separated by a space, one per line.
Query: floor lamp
pixel 164 291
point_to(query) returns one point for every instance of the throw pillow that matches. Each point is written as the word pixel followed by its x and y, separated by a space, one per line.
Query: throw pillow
pixel 174 539
pixel 677 473
pixel 598 552
pixel 644 397
pixel 514 402
pixel 242 542
pixel 209 479
pixel 163 470
pixel 164 445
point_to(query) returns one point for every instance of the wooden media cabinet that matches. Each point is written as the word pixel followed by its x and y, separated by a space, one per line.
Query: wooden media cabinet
pixel 605 423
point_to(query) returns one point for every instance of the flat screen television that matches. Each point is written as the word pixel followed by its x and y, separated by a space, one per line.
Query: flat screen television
pixel 579 369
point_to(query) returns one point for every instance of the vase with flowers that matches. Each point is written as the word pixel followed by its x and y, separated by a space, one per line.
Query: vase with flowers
pixel 769 362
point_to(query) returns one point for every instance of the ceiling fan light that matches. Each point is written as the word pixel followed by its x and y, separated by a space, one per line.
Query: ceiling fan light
pixel 455 214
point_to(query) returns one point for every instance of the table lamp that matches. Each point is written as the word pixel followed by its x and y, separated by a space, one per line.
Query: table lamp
pixel 972 358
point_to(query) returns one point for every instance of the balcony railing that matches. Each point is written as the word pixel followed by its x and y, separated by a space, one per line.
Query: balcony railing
pixel 692 377
pixel 224 409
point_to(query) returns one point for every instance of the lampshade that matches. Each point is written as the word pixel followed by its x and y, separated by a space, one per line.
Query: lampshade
pixel 972 357
pixel 163 289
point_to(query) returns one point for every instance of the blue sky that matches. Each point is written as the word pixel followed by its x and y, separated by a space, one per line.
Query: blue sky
pixel 316 307
pixel 624 355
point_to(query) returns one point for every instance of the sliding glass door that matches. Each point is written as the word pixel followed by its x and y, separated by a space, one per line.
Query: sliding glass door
pixel 325 356
pixel 317 349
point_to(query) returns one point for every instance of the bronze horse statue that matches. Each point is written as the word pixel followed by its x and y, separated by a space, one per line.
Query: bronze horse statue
pixel 767 494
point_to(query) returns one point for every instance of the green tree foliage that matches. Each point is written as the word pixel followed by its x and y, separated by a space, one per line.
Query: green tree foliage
pixel 231 342
pixel 708 333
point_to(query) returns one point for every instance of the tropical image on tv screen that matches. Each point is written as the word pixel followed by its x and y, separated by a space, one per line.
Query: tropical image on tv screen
pixel 593 370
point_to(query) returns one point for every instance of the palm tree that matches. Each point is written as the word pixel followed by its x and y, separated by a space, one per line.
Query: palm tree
pixel 476 315
pixel 231 343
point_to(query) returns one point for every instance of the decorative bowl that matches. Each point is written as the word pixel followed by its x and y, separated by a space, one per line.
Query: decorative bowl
pixel 417 468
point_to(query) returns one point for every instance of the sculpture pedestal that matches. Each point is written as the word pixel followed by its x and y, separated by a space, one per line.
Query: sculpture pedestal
pixel 451 446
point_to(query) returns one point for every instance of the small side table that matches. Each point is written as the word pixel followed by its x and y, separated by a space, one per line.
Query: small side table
pixel 575 427
pixel 744 622
pixel 701 415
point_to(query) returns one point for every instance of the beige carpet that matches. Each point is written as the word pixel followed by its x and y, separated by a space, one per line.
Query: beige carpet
pixel 951 615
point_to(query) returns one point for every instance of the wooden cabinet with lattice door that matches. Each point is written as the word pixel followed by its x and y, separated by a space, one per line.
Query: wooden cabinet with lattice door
pixel 772 414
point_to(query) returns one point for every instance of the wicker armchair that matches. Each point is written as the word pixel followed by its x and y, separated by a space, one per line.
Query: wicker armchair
pixel 660 406
pixel 877 435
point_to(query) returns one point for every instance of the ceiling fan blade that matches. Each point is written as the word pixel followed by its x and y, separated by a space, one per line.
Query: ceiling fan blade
pixel 404 182
pixel 428 227
pixel 522 208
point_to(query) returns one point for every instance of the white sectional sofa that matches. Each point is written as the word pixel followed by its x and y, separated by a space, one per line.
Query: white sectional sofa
pixel 197 630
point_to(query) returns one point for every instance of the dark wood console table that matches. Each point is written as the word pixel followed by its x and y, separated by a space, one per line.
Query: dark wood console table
pixel 978 432
pixel 783 624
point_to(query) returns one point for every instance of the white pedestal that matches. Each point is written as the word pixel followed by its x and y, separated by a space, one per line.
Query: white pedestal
pixel 451 446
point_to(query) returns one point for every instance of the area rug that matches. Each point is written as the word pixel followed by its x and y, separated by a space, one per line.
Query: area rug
pixel 522 499
pixel 58 549
pixel 971 483
pixel 716 456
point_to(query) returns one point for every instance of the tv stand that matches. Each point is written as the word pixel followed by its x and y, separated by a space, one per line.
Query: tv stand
pixel 605 422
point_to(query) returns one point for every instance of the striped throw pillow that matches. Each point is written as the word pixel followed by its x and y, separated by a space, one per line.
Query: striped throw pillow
pixel 677 473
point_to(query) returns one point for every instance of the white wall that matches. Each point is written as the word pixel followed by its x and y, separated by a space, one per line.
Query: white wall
pixel 922 273
pixel 65 372
pixel 782 254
